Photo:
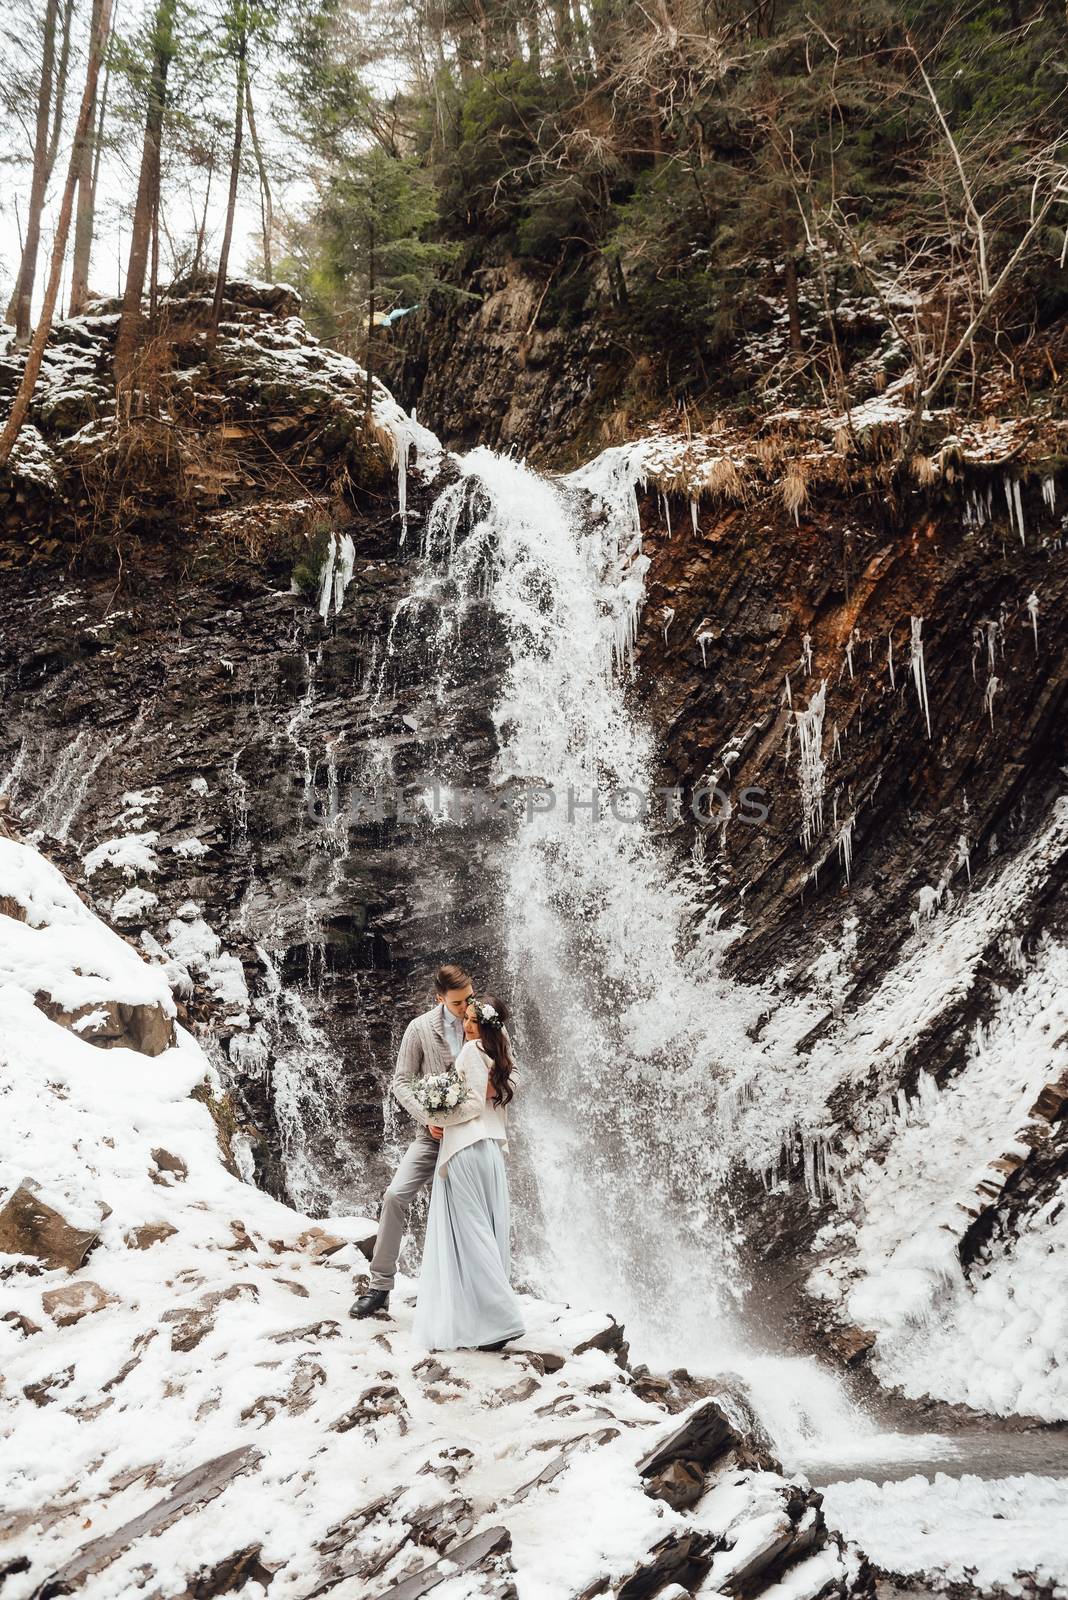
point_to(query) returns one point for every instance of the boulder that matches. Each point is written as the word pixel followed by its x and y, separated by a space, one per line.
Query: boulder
pixel 680 1559
pixel 29 1227
pixel 170 1169
pixel 73 1301
pixel 704 1434
pixel 112 1025
pixel 681 1485
pixel 850 1344
pixel 148 1234
pixel 25 1325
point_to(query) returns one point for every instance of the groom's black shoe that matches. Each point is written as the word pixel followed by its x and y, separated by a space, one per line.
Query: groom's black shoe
pixel 367 1304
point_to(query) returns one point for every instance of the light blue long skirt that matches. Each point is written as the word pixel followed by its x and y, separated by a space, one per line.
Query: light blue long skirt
pixel 465 1298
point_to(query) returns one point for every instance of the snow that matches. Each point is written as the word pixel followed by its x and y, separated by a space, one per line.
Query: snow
pixel 232 1330
pixel 131 853
pixel 61 948
pixel 986 1532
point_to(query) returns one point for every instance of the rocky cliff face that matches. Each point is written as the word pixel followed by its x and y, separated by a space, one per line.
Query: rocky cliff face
pixel 216 730
pixel 879 660
pixel 889 682
pixel 491 370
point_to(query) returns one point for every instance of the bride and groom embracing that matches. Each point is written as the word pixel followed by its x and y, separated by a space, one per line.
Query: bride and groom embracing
pixel 455 1076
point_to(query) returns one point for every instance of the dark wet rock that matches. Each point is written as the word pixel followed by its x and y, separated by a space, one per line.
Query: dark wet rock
pixel 230 1575
pixel 378 1401
pixel 677 1559
pixel 196 1489
pixel 850 1344
pixel 704 1435
pixel 468 1556
pixel 30 1227
pixel 681 1484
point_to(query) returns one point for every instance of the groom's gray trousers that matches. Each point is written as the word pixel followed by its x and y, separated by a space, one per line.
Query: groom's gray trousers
pixel 414 1173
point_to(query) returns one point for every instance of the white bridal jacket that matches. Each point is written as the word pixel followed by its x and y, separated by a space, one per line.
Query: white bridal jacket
pixel 475 1117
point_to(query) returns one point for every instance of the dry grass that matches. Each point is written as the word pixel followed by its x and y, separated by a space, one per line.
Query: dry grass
pixel 724 481
pixel 795 487
pixel 925 469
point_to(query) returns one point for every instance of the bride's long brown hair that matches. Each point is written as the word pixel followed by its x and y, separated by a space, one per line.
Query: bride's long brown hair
pixel 495 1043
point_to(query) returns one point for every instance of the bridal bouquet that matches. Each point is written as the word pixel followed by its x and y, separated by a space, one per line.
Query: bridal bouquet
pixel 442 1091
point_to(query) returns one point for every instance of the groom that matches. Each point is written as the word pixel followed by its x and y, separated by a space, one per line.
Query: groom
pixel 431 1043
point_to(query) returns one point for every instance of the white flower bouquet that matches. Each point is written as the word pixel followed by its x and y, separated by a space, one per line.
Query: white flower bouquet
pixel 440 1092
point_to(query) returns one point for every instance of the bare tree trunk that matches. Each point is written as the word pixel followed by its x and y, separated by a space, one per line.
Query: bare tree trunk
pixel 370 307
pixel 60 95
pixel 84 217
pixel 97 44
pixel 203 228
pixel 153 272
pixel 266 206
pixel 20 309
pixel 793 309
pixel 231 200
pixel 147 186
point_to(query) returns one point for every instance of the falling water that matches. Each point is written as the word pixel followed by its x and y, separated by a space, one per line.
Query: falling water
pixel 623 1018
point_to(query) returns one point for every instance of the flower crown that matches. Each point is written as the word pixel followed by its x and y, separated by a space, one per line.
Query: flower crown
pixel 486 1016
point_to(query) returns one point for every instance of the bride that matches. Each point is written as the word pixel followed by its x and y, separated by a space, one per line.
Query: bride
pixel 465 1298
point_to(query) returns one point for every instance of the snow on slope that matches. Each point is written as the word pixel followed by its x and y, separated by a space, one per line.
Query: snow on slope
pixel 207 1335
pixel 1009 1534
pixel 908 1179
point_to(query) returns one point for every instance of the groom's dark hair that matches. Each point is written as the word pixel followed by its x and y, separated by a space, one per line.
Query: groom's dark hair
pixel 450 977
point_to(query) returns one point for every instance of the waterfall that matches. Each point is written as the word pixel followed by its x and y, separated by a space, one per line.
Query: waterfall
pixel 630 1039
pixel 622 1016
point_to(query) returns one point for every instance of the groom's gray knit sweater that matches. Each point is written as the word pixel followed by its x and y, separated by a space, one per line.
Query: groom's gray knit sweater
pixel 431 1043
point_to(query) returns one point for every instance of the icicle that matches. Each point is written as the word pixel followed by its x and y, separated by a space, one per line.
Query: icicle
pixel 964 855
pixel 693 516
pixel 845 846
pixel 787 693
pixel 806 652
pixel 890 658
pixel 667 514
pixel 836 746
pixel 1049 493
pixel 326 580
pixel 990 629
pixel 1015 504
pixel 1032 606
pixel 705 638
pixel 849 653
pixel 668 616
pixel 343 572
pixel 919 673
pixel 810 740
pixel 988 699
